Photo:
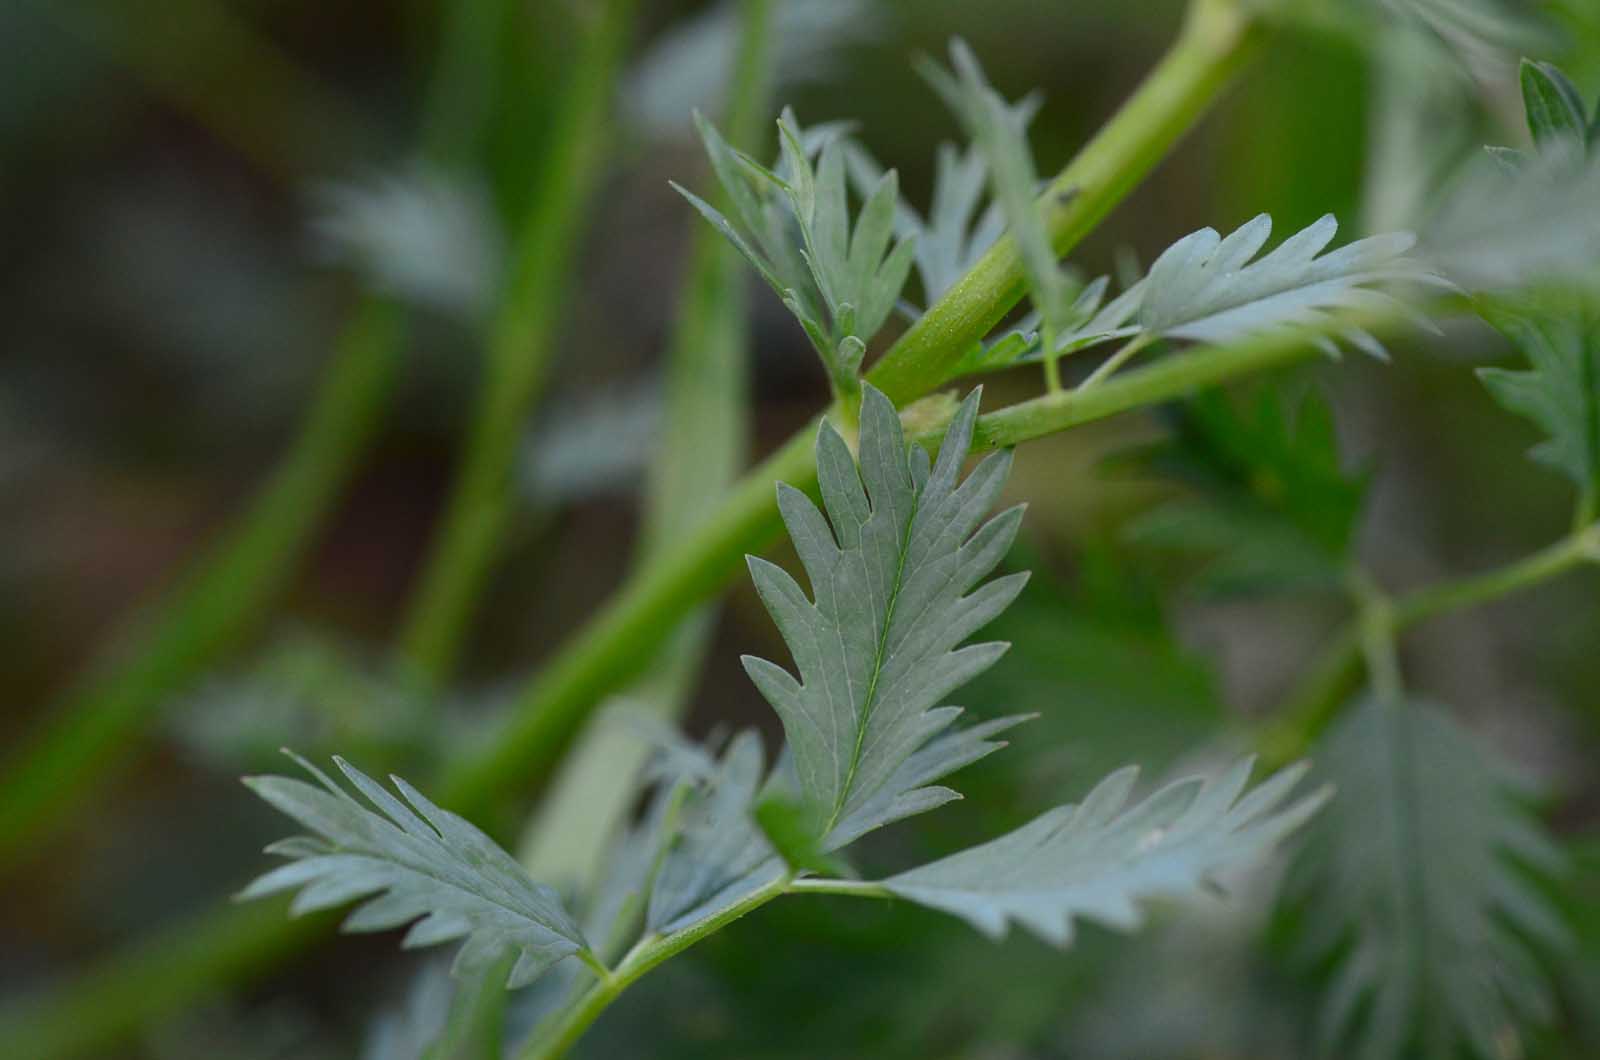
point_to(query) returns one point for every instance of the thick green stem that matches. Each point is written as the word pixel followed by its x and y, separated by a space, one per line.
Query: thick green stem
pixel 212 606
pixel 650 952
pixel 519 350
pixel 1333 678
pixel 611 648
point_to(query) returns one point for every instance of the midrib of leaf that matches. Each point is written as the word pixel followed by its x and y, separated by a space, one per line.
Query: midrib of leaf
pixel 1407 834
pixel 877 667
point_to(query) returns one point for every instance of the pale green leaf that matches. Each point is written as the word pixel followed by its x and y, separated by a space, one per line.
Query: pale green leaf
pixel 1409 878
pixel 1560 390
pixel 1100 859
pixel 894 572
pixel 1205 288
pixel 411 862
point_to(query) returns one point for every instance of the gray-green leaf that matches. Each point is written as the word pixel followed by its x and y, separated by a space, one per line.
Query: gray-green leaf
pixel 1560 391
pixel 720 843
pixel 408 863
pixel 1100 859
pixel 895 580
pixel 1407 877
pixel 1205 288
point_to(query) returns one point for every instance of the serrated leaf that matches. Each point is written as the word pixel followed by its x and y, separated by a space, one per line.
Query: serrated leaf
pixel 1408 879
pixel 999 131
pixel 895 572
pixel 411 862
pixel 910 789
pixel 1560 390
pixel 956 232
pixel 720 844
pixel 1100 859
pixel 1206 288
pixel 840 279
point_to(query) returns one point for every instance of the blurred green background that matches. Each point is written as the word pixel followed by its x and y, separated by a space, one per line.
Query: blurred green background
pixel 193 197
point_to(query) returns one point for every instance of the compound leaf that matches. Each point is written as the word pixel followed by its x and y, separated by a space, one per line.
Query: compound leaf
pixel 895 571
pixel 1407 879
pixel 1206 288
pixel 1560 390
pixel 1101 858
pixel 412 861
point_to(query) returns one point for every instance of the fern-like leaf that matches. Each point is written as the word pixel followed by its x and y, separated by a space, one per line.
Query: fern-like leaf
pixel 895 580
pixel 1560 390
pixel 720 845
pixel 1100 859
pixel 840 279
pixel 1407 878
pixel 1205 288
pixel 412 861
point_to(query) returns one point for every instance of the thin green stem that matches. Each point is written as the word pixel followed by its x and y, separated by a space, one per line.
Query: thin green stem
pixel 612 647
pixel 649 953
pixel 1125 353
pixel 855 888
pixel 519 350
pixel 1379 633
pixel 1335 675
pixel 212 606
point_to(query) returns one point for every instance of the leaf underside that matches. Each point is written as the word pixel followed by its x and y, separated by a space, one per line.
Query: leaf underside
pixel 1407 879
pixel 894 572
pixel 1100 859
pixel 410 861
pixel 1560 390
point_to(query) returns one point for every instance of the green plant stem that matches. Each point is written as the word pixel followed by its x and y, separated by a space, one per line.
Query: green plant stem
pixel 1333 678
pixel 1217 40
pixel 700 453
pixel 855 888
pixel 213 605
pixel 519 350
pixel 610 649
pixel 154 977
pixel 1107 368
pixel 650 952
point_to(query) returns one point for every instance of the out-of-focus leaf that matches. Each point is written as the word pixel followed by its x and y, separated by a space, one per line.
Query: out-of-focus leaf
pixel 1560 390
pixel 1556 115
pixel 690 66
pixel 1409 879
pixel 421 235
pixel 1275 509
pixel 720 845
